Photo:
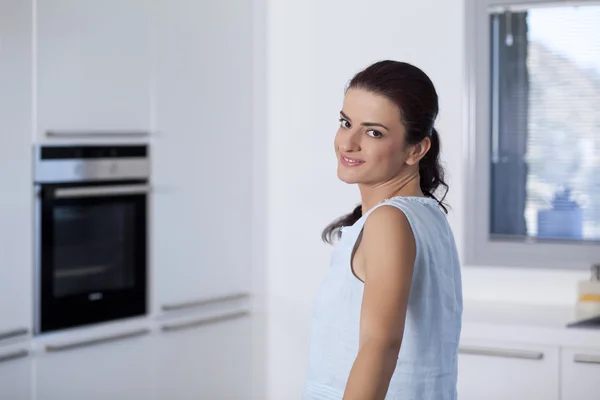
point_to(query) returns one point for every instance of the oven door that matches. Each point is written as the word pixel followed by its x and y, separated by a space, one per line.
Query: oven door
pixel 92 254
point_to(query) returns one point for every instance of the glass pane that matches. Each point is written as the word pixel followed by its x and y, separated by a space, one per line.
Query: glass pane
pixel 545 127
pixel 93 248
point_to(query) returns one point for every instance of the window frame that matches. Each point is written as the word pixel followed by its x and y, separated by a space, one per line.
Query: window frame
pixel 480 249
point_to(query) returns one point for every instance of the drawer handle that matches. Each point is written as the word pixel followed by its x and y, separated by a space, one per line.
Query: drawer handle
pixel 507 353
pixel 92 342
pixel 13 356
pixel 14 333
pixel 586 359
pixel 204 321
pixel 204 302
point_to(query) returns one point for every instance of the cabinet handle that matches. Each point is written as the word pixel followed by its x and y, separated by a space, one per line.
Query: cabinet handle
pixel 586 359
pixel 204 321
pixel 101 340
pixel 203 302
pixel 507 353
pixel 98 134
pixel 14 333
pixel 13 356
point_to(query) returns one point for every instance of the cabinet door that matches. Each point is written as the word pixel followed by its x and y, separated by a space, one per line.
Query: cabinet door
pixel 205 358
pixel 500 371
pixel 111 366
pixel 580 374
pixel 16 199
pixel 93 65
pixel 15 372
pixel 202 155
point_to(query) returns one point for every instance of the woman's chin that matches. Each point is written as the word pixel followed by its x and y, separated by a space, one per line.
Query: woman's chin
pixel 347 176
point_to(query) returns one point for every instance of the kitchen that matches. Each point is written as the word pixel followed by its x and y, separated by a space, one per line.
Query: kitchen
pixel 222 99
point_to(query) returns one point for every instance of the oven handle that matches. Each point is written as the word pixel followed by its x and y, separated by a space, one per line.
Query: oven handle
pixel 101 191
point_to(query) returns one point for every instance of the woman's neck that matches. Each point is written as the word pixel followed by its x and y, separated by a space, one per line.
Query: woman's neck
pixel 403 186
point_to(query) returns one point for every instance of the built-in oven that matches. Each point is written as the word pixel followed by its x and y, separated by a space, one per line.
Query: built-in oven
pixel 91 234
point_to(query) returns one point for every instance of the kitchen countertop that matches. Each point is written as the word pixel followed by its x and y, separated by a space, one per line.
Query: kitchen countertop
pixel 526 323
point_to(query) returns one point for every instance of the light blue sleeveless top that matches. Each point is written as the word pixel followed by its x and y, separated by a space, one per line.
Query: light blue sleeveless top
pixel 427 363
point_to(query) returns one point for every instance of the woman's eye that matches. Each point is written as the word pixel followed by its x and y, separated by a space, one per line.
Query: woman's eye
pixel 374 134
pixel 344 123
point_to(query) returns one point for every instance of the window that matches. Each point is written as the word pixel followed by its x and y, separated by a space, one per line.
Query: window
pixel 534 134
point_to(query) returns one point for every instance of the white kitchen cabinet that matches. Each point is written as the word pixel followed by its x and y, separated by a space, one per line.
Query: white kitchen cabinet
pixel 205 358
pixel 108 366
pixel 93 66
pixel 16 199
pixel 580 374
pixel 15 372
pixel 202 153
pixel 502 370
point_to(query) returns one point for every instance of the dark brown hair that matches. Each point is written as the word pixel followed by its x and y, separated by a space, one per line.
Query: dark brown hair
pixel 411 90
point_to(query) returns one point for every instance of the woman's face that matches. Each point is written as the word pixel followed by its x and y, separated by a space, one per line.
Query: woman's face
pixel 370 143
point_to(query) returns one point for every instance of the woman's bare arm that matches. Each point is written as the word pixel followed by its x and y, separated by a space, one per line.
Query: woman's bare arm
pixel 388 253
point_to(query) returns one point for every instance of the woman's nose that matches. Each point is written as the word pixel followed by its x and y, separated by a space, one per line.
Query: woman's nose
pixel 350 142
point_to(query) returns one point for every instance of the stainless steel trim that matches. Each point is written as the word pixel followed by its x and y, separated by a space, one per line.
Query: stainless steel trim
pixel 97 191
pixel 495 92
pixel 97 169
pixel 203 321
pixel 495 352
pixel 204 302
pixel 13 333
pixel 98 134
pixel 101 340
pixel 15 355
pixel 586 358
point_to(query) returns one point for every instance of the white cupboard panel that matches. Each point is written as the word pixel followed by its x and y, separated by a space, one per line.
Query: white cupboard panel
pixel 202 155
pixel 204 358
pixel 499 371
pixel 113 366
pixel 94 66
pixel 580 374
pixel 15 372
pixel 16 199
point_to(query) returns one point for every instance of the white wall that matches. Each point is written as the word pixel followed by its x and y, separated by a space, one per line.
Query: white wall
pixel 313 48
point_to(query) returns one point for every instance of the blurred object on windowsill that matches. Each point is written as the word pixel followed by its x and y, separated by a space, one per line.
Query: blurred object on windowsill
pixel 587 309
pixel 564 220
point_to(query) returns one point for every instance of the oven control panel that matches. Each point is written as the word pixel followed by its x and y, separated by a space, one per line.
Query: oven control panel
pixel 57 164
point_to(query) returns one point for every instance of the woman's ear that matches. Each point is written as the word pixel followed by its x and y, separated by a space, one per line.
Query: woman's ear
pixel 418 151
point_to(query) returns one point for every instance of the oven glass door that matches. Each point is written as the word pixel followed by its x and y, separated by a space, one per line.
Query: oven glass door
pixel 93 255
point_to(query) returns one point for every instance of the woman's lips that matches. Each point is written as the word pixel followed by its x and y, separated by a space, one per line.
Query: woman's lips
pixel 350 162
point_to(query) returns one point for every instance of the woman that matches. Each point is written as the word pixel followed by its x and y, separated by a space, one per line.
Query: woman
pixel 387 317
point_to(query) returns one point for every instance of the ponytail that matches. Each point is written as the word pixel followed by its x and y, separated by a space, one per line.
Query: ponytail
pixel 334 230
pixel 431 172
